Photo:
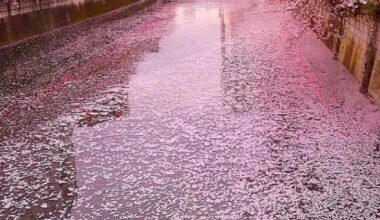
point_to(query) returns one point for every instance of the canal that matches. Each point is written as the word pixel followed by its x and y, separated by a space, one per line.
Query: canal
pixel 198 109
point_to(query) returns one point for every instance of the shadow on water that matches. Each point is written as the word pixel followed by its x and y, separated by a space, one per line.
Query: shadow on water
pixel 38 155
pixel 46 15
pixel 41 182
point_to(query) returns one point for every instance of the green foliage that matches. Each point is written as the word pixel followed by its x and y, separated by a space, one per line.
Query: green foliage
pixel 372 8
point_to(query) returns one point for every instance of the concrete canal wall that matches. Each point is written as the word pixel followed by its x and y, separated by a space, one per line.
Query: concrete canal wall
pixel 358 49
pixel 34 17
pixel 11 54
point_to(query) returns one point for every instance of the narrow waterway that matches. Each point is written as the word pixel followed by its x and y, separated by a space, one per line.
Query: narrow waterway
pixel 191 110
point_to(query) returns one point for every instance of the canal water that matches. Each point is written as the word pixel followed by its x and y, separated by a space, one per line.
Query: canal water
pixel 26 18
pixel 197 109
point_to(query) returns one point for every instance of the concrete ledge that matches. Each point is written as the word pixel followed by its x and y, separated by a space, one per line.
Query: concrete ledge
pixel 10 54
pixel 125 11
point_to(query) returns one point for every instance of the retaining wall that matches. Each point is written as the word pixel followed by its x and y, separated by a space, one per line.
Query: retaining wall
pixel 353 48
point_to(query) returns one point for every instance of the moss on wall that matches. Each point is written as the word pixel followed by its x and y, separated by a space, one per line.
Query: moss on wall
pixel 372 8
pixel 350 55
pixel 374 84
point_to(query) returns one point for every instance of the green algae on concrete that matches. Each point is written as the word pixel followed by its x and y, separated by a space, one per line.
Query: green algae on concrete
pixel 350 55
pixel 374 83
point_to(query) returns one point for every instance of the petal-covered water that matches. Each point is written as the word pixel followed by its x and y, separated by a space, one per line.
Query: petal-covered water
pixel 192 110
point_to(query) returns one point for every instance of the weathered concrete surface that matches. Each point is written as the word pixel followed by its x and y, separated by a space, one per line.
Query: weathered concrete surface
pixel 43 23
pixel 354 48
pixel 192 110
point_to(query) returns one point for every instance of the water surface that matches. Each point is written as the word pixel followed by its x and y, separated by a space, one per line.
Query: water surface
pixel 192 110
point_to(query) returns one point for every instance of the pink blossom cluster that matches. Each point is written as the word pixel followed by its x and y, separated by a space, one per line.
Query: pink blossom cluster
pixel 326 17
pixel 349 4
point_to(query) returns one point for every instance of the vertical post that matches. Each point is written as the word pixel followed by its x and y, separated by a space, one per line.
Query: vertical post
pixel 369 55
pixel 9 7
pixel 341 22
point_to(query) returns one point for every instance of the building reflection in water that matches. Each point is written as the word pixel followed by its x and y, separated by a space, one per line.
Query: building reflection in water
pixel 237 82
pixel 37 156
pixel 38 177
